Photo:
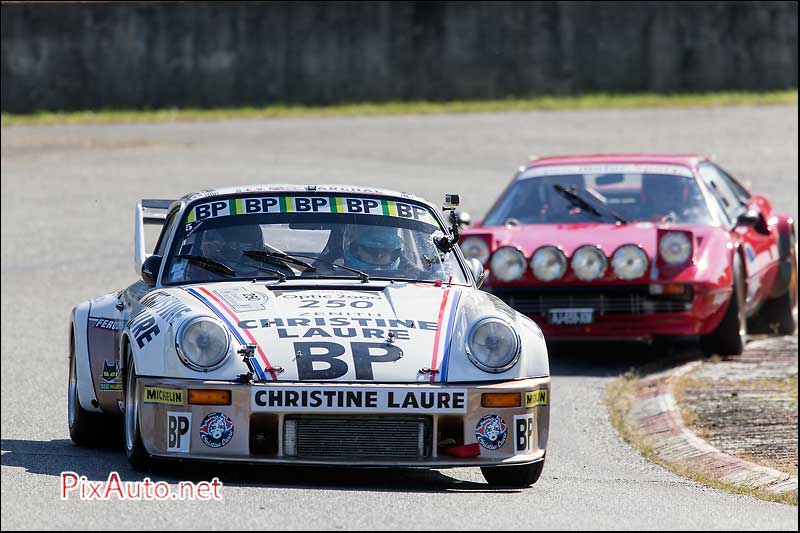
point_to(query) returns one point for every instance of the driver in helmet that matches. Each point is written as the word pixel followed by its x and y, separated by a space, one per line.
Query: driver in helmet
pixel 376 248
pixel 225 244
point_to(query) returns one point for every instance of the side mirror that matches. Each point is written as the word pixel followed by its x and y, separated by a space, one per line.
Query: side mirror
pixel 463 219
pixel 476 267
pixel 150 269
pixel 749 219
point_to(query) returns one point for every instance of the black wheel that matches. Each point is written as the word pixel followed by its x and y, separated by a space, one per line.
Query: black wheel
pixel 731 335
pixel 134 448
pixel 513 476
pixel 85 427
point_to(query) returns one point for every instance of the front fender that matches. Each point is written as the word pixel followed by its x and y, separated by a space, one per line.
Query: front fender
pixel 79 322
pixel 533 360
pixel 151 333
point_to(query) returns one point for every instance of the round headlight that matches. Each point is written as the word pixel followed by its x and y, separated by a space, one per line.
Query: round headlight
pixel 202 343
pixel 475 247
pixel 589 263
pixel 507 264
pixel 492 345
pixel 675 248
pixel 548 263
pixel 629 262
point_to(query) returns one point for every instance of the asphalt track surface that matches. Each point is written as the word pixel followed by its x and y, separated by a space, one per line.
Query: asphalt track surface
pixel 68 194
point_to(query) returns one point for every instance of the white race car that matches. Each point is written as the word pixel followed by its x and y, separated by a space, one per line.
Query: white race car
pixel 325 325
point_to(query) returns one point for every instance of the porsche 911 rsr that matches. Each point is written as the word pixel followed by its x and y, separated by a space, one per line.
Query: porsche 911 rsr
pixel 326 325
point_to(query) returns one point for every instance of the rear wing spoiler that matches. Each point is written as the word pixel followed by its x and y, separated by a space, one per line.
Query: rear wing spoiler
pixel 150 212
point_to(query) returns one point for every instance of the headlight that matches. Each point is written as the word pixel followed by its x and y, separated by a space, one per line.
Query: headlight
pixel 675 248
pixel 589 263
pixel 629 262
pixel 492 345
pixel 508 264
pixel 475 247
pixel 548 263
pixel 202 343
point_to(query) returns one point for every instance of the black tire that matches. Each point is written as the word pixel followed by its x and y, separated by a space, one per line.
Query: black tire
pixel 134 447
pixel 730 336
pixel 520 476
pixel 85 427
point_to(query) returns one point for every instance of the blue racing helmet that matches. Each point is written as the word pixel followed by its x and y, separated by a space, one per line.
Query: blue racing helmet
pixel 372 247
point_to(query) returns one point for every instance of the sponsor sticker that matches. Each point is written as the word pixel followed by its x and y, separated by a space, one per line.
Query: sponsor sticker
pixel 163 396
pixel 243 300
pixel 179 432
pixel 216 430
pixel 111 378
pixel 523 433
pixel 108 323
pixel 312 204
pixel 491 432
pixel 536 398
pixel 362 399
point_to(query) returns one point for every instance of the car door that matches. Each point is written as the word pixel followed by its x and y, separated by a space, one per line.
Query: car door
pixel 757 241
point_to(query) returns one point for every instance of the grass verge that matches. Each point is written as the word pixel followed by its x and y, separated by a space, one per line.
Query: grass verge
pixel 620 394
pixel 550 103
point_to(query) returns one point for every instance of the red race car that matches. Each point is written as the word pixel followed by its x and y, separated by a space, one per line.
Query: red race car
pixel 635 247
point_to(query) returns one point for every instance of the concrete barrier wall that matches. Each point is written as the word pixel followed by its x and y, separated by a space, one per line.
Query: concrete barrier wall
pixel 151 55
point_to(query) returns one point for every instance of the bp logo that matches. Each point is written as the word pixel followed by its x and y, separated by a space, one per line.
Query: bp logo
pixel 216 430
pixel 491 432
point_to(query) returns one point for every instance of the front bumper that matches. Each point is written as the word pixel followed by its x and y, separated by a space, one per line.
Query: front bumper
pixel 620 313
pixel 255 428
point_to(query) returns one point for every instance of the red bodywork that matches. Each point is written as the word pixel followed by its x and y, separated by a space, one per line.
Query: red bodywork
pixel 627 309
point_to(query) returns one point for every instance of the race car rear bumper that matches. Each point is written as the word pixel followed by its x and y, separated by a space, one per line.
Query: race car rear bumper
pixel 408 425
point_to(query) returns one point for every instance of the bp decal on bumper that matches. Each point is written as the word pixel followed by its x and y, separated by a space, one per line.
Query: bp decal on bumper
pixel 179 432
pixel 491 432
pixel 216 430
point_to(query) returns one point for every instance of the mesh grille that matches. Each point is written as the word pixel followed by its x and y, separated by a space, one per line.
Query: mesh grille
pixel 354 436
pixel 604 301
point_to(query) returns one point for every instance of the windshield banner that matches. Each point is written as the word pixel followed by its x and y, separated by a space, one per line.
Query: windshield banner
pixel 624 168
pixel 311 204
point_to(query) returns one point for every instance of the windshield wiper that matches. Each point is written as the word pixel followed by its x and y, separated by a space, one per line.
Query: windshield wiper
pixel 279 258
pixel 598 209
pixel 361 274
pixel 209 264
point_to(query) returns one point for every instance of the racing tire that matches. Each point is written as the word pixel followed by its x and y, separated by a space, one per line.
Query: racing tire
pixel 85 427
pixel 134 447
pixel 730 336
pixel 519 476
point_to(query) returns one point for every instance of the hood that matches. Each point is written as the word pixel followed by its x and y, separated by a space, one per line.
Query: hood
pixel 375 332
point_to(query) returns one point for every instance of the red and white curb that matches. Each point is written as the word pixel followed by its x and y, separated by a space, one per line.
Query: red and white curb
pixel 656 415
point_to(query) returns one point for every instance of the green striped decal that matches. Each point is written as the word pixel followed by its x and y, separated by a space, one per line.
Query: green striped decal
pixel 389 208
pixel 191 217
pixel 286 204
pixel 336 204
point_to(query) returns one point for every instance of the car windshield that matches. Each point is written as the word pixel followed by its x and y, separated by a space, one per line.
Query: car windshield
pixel 315 237
pixel 637 193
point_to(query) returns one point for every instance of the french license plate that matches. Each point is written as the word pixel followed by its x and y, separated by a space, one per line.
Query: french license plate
pixel 571 316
